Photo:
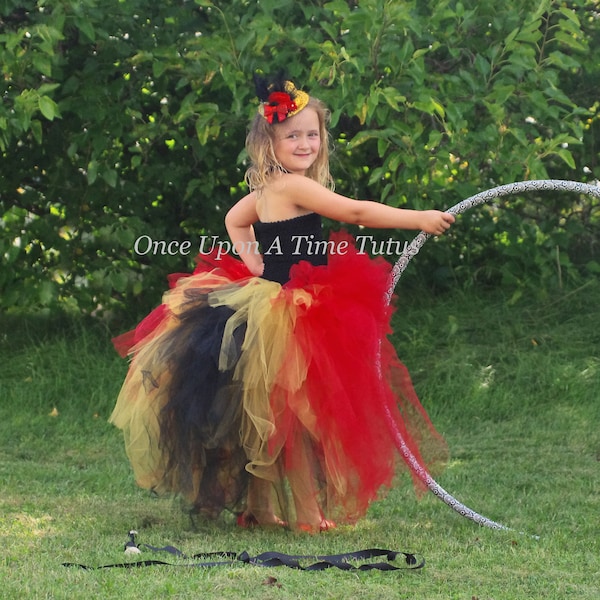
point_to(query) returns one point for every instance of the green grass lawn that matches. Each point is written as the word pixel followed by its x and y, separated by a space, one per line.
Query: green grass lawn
pixel 513 388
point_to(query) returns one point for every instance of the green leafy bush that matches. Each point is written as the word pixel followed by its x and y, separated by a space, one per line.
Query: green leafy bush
pixel 127 119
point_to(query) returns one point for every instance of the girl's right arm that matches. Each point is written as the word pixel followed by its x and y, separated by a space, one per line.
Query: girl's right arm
pixel 238 221
pixel 309 195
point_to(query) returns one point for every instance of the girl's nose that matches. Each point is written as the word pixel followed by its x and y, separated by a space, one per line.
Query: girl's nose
pixel 303 142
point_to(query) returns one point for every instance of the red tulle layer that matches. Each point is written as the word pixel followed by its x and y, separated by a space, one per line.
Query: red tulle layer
pixel 323 404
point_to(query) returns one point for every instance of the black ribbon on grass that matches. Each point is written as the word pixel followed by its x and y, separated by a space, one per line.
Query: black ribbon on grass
pixel 278 559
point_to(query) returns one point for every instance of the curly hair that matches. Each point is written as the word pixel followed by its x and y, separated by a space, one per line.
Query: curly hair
pixel 264 164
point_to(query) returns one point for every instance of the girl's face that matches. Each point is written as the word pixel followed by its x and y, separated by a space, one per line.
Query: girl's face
pixel 297 141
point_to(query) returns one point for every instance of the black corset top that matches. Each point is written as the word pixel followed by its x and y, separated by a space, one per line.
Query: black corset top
pixel 285 243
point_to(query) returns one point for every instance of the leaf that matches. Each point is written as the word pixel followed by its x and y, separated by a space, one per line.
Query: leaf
pixel 48 108
pixel 118 280
pixel 483 66
pixel 420 52
pixel 158 68
pixel 530 32
pixel 46 88
pixel 110 176
pixel 520 135
pixel 86 27
pixel 567 156
pixel 510 38
pixel 496 110
pixel 361 137
pixel 571 41
pixel 43 63
pixel 92 171
pixel 570 14
pixel 393 97
pixel 202 132
pixel 125 236
pixel 563 61
pixel 501 93
pixel 272 581
pixel 430 106
pixel 593 266
pixel 36 130
pixel 524 59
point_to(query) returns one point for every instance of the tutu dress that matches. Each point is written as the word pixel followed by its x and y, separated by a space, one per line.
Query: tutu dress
pixel 288 377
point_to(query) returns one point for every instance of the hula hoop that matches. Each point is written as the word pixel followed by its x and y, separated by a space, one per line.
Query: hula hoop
pixel 410 251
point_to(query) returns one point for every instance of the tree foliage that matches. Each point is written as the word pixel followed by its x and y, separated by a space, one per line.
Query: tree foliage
pixel 123 118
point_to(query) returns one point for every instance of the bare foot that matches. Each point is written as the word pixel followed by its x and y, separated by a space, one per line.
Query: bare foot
pixel 259 511
pixel 247 520
pixel 324 525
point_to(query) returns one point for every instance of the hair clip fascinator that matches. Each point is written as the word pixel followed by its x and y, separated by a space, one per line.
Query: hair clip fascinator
pixel 279 99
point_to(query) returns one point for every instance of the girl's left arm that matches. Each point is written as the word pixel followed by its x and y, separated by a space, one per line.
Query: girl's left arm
pixel 239 221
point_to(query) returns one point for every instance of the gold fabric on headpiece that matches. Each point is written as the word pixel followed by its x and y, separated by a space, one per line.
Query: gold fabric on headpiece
pixel 300 98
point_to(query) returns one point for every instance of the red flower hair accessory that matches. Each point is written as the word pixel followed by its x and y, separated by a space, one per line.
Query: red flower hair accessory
pixel 279 100
pixel 278 106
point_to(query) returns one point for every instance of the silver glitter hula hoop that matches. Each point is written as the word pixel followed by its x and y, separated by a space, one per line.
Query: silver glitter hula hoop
pixel 410 251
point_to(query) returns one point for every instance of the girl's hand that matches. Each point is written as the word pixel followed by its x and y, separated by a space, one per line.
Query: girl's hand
pixel 436 222
pixel 257 268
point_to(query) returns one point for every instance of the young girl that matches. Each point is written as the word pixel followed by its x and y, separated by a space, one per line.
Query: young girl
pixel 267 386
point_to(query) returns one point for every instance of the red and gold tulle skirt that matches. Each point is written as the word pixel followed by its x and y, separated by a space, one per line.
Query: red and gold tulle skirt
pixel 234 377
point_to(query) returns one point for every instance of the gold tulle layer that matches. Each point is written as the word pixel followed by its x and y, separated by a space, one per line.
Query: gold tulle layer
pixel 295 385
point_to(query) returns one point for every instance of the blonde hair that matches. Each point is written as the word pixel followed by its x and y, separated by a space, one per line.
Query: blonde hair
pixel 264 164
